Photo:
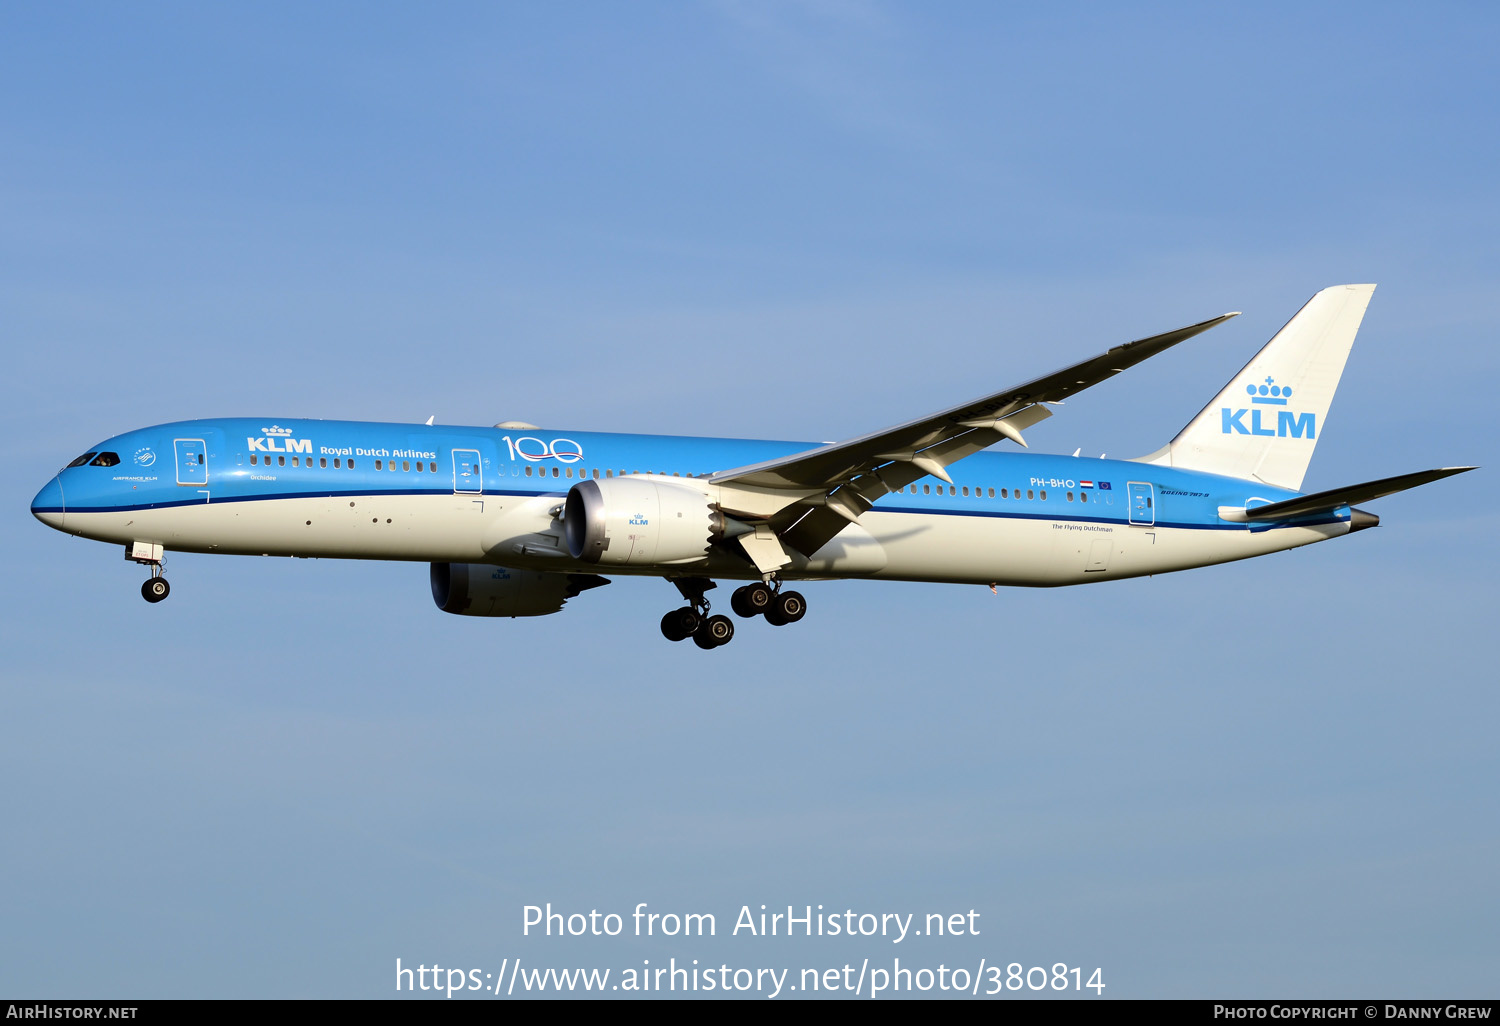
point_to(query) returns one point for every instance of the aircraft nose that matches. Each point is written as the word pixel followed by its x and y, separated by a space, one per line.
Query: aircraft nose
pixel 48 506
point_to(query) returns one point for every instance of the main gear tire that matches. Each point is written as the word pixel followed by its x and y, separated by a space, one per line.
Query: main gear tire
pixel 679 624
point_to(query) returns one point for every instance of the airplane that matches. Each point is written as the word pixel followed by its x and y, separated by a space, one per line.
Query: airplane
pixel 515 520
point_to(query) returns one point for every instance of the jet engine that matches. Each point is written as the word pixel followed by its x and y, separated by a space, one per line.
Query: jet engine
pixel 479 589
pixel 633 521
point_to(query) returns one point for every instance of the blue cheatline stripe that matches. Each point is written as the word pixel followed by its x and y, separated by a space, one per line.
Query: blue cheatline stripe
pixel 923 511
pixel 355 494
pixel 1179 525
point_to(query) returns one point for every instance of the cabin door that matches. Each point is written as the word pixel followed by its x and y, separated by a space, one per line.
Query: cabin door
pixel 192 461
pixel 468 478
pixel 1142 503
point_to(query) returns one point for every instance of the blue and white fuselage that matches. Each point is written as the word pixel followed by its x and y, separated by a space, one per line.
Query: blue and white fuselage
pixel 515 519
pixel 469 495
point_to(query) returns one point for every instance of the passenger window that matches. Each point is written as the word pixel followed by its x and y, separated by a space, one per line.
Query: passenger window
pixel 992 493
pixel 927 489
pixel 1004 493
pixel 528 471
pixel 254 460
pixel 596 473
pixel 1070 496
pixel 281 461
pixel 1044 495
pixel 1029 495
pixel 336 463
pixel 1083 496
pixel 419 466
pixel 1148 502
pixel 351 464
pixel 952 490
pixel 432 468
pixel 554 471
pixel 966 491
pixel 106 459
pixel 295 463
pixel 406 466
pixel 200 457
pixel 80 461
pixel 378 465
pixel 570 471
pixel 322 462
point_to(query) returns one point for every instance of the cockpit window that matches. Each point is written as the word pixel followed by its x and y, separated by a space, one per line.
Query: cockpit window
pixel 106 459
pixel 80 461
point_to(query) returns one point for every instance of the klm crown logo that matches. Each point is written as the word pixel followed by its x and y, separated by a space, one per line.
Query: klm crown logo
pixel 1269 394
pixel 284 435
pixel 1288 424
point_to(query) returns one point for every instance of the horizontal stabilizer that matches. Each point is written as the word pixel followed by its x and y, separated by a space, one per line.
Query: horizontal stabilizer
pixel 1323 502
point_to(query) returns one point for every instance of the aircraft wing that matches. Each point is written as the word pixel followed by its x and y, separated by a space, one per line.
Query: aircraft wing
pixel 839 481
pixel 1323 502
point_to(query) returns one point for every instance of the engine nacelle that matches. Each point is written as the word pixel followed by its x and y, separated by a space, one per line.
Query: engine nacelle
pixel 479 589
pixel 634 521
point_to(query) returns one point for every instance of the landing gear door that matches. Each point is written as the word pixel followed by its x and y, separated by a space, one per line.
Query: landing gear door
pixel 1142 503
pixel 192 461
pixel 468 478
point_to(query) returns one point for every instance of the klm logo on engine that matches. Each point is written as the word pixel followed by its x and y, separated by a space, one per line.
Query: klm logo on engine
pixel 1288 424
pixel 278 439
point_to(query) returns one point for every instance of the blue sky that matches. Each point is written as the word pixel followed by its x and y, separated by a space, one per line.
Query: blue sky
pixel 800 220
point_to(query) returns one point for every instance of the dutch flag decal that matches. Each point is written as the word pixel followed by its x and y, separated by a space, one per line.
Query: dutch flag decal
pixel 1085 484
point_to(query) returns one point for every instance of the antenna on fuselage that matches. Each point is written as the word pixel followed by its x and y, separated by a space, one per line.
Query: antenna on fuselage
pixel 430 419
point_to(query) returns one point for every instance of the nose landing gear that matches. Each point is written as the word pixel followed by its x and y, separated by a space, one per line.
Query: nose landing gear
pixel 155 588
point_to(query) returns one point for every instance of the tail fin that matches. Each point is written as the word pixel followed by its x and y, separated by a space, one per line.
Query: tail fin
pixel 1265 423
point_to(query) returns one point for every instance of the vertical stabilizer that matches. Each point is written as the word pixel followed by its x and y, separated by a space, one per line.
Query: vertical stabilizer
pixel 1265 423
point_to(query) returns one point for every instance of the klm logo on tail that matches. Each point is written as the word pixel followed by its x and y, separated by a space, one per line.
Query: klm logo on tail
pixel 1288 423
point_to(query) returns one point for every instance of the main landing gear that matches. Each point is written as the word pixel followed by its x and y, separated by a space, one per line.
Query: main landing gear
pixel 692 621
pixel 778 607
